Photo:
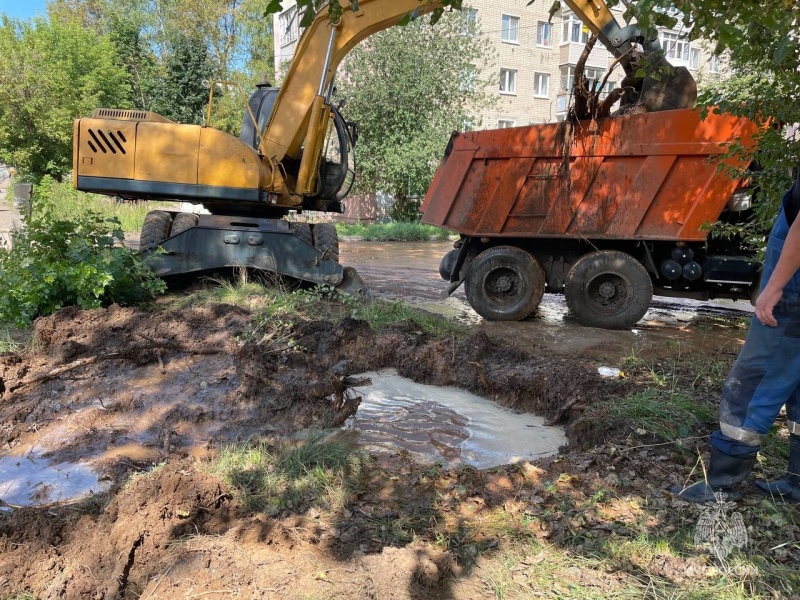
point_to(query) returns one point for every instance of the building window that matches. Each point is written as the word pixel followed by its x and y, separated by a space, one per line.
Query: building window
pixel 694 58
pixel 510 29
pixel 713 64
pixel 543 35
pixel 541 85
pixel 287 22
pixel 508 81
pixel 562 103
pixel 573 30
pixel 505 123
pixel 469 21
pixel 675 46
pixel 593 75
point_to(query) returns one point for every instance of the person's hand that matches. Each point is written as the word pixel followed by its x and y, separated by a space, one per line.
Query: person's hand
pixel 765 303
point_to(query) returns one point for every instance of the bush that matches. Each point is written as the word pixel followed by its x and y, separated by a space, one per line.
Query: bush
pixel 77 261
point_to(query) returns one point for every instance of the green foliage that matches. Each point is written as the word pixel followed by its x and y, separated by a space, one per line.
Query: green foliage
pixel 409 88
pixel 64 262
pixel 51 73
pixel 68 204
pixel 182 92
pixel 393 232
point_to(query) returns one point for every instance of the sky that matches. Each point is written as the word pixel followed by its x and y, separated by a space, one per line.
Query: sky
pixel 22 9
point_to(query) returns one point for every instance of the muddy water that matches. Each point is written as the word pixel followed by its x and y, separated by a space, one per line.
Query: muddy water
pixel 448 425
pixel 32 480
pixel 410 271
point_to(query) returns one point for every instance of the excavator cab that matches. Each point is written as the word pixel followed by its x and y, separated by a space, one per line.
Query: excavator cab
pixel 337 162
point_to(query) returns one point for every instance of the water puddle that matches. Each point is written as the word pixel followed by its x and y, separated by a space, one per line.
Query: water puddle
pixel 446 424
pixel 36 481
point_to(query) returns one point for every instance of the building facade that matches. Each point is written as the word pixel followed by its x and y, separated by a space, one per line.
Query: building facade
pixel 536 58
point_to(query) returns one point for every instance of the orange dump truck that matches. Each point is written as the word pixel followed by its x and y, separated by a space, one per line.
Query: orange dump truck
pixel 625 218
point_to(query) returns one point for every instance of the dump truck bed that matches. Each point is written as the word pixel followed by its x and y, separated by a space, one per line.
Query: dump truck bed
pixel 652 176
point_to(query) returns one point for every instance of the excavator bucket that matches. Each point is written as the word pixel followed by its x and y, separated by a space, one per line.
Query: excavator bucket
pixel 353 285
pixel 667 88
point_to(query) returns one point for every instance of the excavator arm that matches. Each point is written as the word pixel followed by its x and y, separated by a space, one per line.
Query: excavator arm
pixel 139 154
pixel 664 86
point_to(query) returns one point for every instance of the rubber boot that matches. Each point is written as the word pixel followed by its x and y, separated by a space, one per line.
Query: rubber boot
pixel 724 471
pixel 788 488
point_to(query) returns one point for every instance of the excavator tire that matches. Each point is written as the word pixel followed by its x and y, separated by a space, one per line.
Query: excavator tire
pixel 155 229
pixel 303 231
pixel 326 239
pixel 608 289
pixel 184 221
pixel 504 283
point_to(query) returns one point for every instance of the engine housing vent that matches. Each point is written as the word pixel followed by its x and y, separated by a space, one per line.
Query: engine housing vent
pixel 121 114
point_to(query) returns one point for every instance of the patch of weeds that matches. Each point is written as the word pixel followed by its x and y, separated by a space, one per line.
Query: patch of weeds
pixel 292 477
pixel 13 339
pixel 396 231
pixel 381 314
pixel 132 478
pixel 70 204
pixel 20 596
pixel 665 414
pixel 269 299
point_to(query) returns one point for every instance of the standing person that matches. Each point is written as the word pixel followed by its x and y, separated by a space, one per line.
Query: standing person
pixel 765 376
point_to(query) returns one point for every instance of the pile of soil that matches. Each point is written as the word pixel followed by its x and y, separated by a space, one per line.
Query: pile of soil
pixel 102 385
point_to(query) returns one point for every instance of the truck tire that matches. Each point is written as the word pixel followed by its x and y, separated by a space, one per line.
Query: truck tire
pixel 504 283
pixel 326 239
pixel 608 289
pixel 303 231
pixel 182 222
pixel 155 229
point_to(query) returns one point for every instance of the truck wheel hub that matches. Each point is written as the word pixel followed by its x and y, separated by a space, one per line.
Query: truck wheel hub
pixel 607 290
pixel 503 284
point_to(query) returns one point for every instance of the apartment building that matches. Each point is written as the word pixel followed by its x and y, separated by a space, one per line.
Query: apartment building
pixel 536 57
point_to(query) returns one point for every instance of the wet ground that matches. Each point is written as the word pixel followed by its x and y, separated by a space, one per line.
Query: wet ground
pixel 446 425
pixel 409 271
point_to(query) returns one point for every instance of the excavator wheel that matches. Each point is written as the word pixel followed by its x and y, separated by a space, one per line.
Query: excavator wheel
pixel 303 231
pixel 504 283
pixel 184 221
pixel 155 229
pixel 326 239
pixel 608 289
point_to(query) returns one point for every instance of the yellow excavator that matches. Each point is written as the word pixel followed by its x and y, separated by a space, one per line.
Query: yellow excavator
pixel 295 153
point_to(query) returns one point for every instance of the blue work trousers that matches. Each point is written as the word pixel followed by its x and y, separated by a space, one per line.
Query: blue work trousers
pixel 766 374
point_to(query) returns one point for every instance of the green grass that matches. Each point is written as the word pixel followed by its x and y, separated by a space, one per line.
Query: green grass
pixel 272 302
pixel 292 476
pixel 13 339
pixel 70 203
pixel 393 232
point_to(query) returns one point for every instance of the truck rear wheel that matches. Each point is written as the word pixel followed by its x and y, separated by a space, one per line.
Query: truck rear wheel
pixel 326 239
pixel 504 283
pixel 182 222
pixel 155 229
pixel 608 289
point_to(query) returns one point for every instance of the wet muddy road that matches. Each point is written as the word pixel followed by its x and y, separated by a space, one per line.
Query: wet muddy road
pixel 410 271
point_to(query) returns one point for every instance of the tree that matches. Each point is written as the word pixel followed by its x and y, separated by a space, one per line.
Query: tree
pixel 409 88
pixel 182 93
pixel 51 73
